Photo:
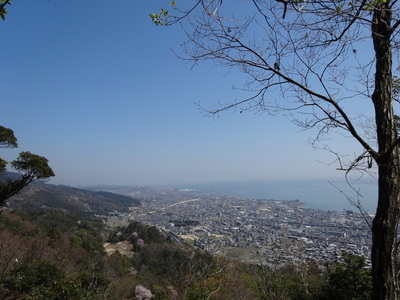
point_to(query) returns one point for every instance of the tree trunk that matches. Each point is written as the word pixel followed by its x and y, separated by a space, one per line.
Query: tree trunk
pixel 384 227
pixel 384 237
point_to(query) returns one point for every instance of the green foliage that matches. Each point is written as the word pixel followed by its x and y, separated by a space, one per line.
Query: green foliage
pixel 349 280
pixel 49 261
pixel 81 204
pixel 7 137
pixel 159 292
pixel 120 263
pixel 162 18
pixel 39 280
pixel 154 235
pixel 92 281
pixel 29 275
pixel 149 234
pixel 123 288
pixel 90 242
pixel 301 282
pixel 372 4
pixel 173 262
pixel 13 225
pixel 53 219
pixel 65 289
pixel 3 164
pixel 31 166
pixel 3 10
pixel 120 199
pixel 58 222
pixel 38 260
pixel 162 259
pixel 88 236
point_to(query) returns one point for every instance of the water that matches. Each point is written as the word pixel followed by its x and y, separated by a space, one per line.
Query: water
pixel 321 194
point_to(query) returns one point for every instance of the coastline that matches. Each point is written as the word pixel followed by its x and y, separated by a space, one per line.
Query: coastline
pixel 317 194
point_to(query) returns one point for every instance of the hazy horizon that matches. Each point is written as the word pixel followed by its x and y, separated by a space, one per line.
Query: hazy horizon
pixel 107 102
pixel 316 194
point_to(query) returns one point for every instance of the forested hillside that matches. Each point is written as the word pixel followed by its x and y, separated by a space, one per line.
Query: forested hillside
pixel 73 200
pixel 54 253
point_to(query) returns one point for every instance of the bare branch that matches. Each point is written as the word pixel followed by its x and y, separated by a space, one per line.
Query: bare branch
pixel 357 204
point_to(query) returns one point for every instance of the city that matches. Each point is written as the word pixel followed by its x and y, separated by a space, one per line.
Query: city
pixel 252 230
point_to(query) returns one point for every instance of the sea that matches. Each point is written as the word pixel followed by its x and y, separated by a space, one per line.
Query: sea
pixel 333 195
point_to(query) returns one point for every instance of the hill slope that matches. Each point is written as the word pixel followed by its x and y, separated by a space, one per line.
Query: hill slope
pixel 72 200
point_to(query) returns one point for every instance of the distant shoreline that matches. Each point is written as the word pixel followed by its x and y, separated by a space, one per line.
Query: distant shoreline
pixel 317 194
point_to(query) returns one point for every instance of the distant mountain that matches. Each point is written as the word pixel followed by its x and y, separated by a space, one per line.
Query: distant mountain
pixel 72 200
pixel 4 176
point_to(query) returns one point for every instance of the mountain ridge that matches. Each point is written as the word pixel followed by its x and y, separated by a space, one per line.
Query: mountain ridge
pixel 39 195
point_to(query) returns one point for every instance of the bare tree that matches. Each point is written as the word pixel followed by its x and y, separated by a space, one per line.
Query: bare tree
pixel 325 64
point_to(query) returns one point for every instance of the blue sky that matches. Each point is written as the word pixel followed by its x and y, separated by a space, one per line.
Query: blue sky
pixel 95 87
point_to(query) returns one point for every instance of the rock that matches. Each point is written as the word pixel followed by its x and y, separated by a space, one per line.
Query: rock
pixel 143 293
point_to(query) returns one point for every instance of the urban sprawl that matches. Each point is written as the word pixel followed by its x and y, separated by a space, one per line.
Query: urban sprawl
pixel 253 230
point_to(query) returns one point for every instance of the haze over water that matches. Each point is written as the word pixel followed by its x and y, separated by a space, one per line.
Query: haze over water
pixel 314 194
